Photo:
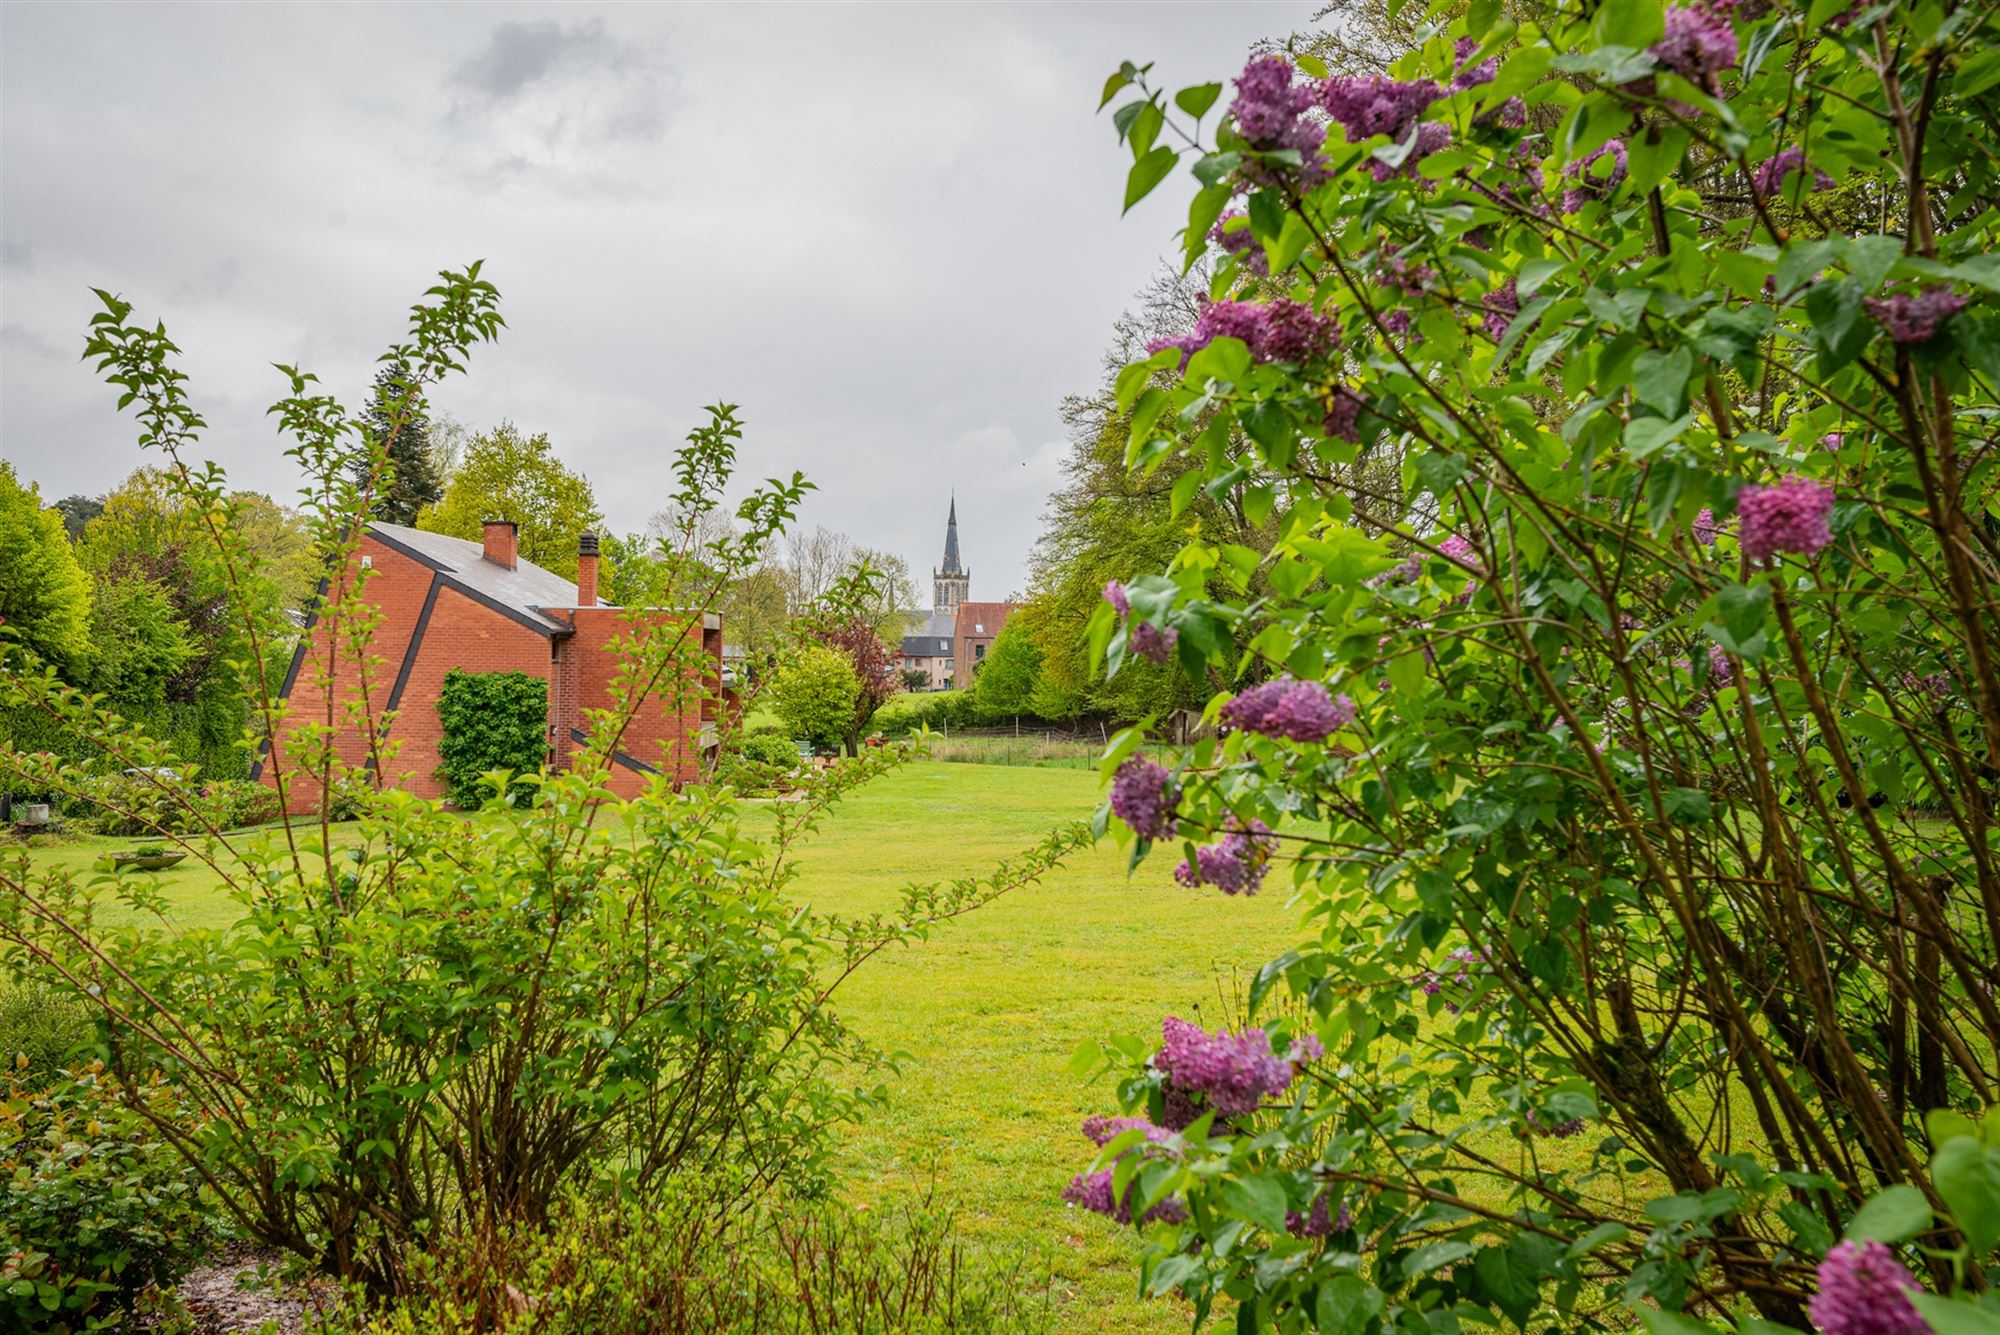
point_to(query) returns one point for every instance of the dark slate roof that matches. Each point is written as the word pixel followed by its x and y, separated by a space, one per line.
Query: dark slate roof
pixel 927 646
pixel 521 593
pixel 951 566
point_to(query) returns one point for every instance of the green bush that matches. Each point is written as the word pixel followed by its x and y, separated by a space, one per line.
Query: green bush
pixel 41 1031
pixel 492 720
pixel 770 749
pixel 688 1263
pixel 938 710
pixel 95 1205
pixel 131 804
pixel 816 694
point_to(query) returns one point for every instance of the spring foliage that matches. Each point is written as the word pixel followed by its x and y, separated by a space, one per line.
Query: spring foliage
pixel 1651 854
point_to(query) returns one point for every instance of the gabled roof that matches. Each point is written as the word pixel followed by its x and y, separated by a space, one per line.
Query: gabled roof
pixel 927 646
pixel 520 593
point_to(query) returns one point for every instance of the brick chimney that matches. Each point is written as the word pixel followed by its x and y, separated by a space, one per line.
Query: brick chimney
pixel 502 543
pixel 586 569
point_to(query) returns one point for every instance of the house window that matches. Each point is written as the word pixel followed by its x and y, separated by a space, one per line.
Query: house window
pixel 979 651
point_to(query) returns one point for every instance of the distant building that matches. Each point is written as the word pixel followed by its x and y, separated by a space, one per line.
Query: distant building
pixel 447 603
pixel 977 625
pixel 930 648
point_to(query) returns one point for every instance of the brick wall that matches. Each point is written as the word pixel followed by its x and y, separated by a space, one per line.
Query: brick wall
pixel 463 632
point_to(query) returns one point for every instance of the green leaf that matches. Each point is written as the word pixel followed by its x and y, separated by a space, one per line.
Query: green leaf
pixel 1345 1305
pixel 1895 1214
pixel 1114 85
pixel 1740 628
pixel 1514 1286
pixel 1185 486
pixel 1197 100
pixel 1206 206
pixel 1978 73
pixel 1428 1258
pixel 1967 1175
pixel 1225 359
pixel 1840 329
pixel 1259 1199
pixel 1653 156
pixel 1645 435
pixel 1146 173
pixel 1659 379
pixel 1597 1237
pixel 1951 1316
pixel 1870 258
pixel 1660 1322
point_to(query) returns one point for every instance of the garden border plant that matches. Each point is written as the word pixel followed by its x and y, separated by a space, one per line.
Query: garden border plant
pixel 435 1029
pixel 1636 756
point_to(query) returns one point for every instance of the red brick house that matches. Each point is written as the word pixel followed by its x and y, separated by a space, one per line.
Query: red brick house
pixel 978 624
pixel 448 603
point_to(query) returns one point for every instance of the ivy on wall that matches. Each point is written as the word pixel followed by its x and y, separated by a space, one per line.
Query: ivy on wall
pixel 492 720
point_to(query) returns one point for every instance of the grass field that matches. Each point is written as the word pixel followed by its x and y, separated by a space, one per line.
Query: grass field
pixel 991 1008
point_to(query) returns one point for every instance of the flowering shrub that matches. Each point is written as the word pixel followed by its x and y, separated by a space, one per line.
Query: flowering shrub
pixel 1635 748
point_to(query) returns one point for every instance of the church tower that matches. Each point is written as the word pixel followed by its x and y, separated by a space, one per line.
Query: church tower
pixel 950 582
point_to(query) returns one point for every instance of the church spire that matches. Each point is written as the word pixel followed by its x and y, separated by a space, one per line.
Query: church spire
pixel 951 566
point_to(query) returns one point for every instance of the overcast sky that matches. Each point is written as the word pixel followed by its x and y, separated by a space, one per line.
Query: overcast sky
pixel 890 233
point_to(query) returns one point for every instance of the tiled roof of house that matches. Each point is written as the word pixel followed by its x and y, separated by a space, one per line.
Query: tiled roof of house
pixel 525 590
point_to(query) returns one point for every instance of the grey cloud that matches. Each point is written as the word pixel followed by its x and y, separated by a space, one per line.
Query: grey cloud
pixel 891 233
pixel 519 54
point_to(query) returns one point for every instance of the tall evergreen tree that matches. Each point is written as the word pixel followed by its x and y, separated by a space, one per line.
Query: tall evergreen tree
pixel 416 482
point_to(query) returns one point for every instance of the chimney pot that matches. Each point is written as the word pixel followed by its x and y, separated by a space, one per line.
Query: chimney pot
pixel 586 569
pixel 503 543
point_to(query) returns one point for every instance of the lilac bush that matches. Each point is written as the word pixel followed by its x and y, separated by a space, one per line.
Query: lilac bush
pixel 1637 520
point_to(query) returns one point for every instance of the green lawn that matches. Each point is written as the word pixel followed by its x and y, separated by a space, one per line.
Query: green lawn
pixel 992 1007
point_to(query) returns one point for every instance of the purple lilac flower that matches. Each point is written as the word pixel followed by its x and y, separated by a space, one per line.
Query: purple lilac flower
pixel 1834 441
pixel 1233 1072
pixel 1371 104
pixel 1399 275
pixel 1271 112
pixel 1306 1048
pixel 1317 1223
pixel 1239 241
pixel 1769 178
pixel 1461 553
pixel 1721 668
pixel 1298 711
pixel 1402 572
pixel 1700 41
pixel 1236 864
pixel 1914 318
pixel 1295 332
pixel 1101 1130
pixel 1706 529
pixel 1502 304
pixel 1431 981
pixel 1281 330
pixel 1791 515
pixel 1093 1191
pixel 1114 593
pixel 1937 685
pixel 1593 182
pixel 1152 643
pixel 1396 322
pixel 1865 1290
pixel 1513 113
pixel 1143 796
pixel 1343 417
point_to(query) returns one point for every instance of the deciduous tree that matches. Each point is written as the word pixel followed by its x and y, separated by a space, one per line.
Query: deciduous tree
pixel 44 592
pixel 506 474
